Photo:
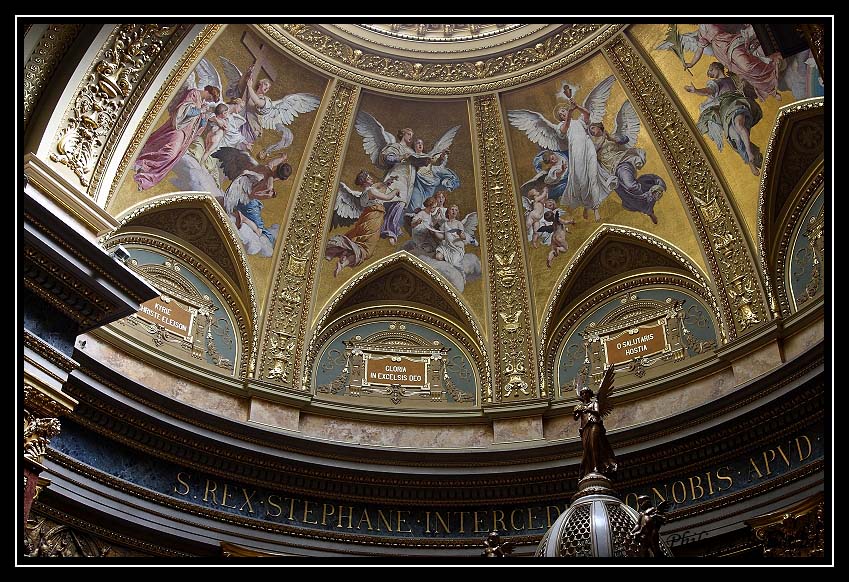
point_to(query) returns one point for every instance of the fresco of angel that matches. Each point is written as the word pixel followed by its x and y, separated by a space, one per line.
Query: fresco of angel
pixel 729 113
pixel 442 244
pixel 365 210
pixel 260 111
pixel 417 174
pixel 189 112
pixel 556 228
pixel 598 455
pixel 600 162
pixel 535 201
pixel 738 49
pixel 551 138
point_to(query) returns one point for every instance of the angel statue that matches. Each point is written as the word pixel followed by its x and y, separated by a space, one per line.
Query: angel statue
pixel 260 111
pixel 600 162
pixel 189 111
pixel 417 174
pixel 598 455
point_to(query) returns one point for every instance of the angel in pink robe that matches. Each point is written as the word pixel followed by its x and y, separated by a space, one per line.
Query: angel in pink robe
pixel 166 145
pixel 735 49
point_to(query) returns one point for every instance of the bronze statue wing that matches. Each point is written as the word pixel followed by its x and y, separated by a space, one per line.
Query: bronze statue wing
pixel 604 391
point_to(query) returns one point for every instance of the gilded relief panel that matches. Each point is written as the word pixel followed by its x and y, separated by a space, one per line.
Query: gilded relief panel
pixel 188 321
pixel 237 128
pixel 806 264
pixel 407 184
pixel 732 89
pixel 581 159
pixel 643 333
pixel 395 364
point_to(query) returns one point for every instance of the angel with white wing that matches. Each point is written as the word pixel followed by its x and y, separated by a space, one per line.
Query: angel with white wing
pixel 188 112
pixel 261 111
pixel 417 174
pixel 251 183
pixel 365 209
pixel 552 138
pixel 601 162
pixel 598 454
pixel 453 235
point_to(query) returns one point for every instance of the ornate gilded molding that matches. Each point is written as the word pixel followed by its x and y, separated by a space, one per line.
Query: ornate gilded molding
pixel 373 70
pixel 37 434
pixel 771 173
pixel 45 538
pixel 720 234
pixel 105 533
pixel 45 58
pixel 797 531
pixel 642 238
pixel 248 330
pixel 440 32
pixel 381 314
pixel 421 268
pixel 791 231
pixel 632 284
pixel 114 84
pixel 163 95
pixel 285 328
pixel 514 352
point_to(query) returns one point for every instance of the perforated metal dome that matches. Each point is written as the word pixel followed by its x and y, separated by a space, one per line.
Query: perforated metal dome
pixel 596 525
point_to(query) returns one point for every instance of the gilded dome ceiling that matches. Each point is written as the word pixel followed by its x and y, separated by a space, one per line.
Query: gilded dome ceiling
pixel 403 247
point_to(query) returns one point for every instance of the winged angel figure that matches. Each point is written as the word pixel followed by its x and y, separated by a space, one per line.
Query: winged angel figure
pixel 598 455
pixel 260 111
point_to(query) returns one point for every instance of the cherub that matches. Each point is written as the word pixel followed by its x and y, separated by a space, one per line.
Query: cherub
pixel 534 198
pixel 558 231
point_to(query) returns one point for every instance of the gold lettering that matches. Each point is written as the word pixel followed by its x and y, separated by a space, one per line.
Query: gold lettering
pixel 683 490
pixel 799 448
pixel 783 456
pixel 658 495
pixel 766 461
pixel 365 517
pixel 498 520
pixel 183 483
pixel 628 501
pixel 427 522
pixel 476 524
pixel 381 517
pixel 548 509
pixel 271 502
pixel 710 483
pixel 462 516
pixel 513 520
pixel 531 517
pixel 208 491
pixel 308 511
pixel 399 521
pixel 445 524
pixel 724 478
pixel 224 498
pixel 694 486
pixel 325 514
pixel 291 509
pixel 350 517
pixel 755 467
pixel 247 500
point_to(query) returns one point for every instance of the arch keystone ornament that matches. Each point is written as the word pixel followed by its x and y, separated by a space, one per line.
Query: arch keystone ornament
pixel 728 255
pixel 513 348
